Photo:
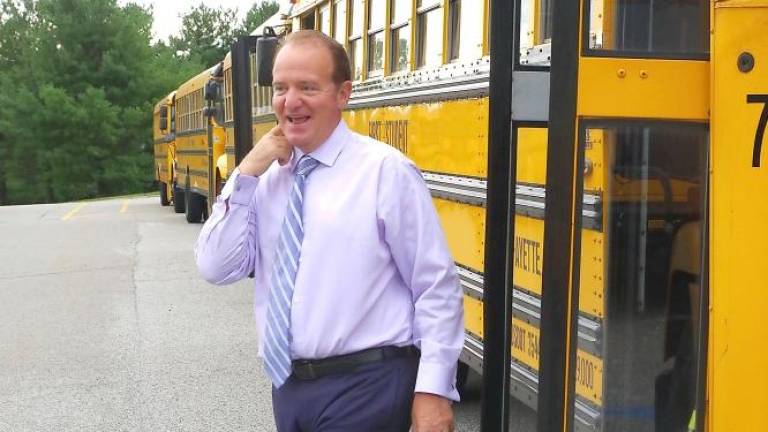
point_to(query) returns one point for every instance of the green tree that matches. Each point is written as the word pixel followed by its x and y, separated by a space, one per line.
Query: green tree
pixel 206 34
pixel 258 14
pixel 79 80
pixel 15 29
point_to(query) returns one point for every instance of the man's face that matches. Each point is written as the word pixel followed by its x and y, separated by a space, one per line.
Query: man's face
pixel 307 102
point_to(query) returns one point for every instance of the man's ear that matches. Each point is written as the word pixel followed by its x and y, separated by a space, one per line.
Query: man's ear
pixel 345 91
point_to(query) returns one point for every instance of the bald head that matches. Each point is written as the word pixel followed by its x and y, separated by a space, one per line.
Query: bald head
pixel 341 70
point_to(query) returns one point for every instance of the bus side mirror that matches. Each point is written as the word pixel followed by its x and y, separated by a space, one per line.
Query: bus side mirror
pixel 266 47
pixel 163 118
pixel 211 90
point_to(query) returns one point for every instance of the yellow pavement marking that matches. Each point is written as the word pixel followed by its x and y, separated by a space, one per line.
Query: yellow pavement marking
pixel 124 207
pixel 73 211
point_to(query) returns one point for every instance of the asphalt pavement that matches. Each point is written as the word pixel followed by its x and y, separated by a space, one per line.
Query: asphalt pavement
pixel 106 326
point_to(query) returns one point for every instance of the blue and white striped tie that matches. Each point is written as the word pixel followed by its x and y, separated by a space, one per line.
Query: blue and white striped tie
pixel 277 346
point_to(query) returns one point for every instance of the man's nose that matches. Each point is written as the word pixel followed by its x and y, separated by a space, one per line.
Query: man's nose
pixel 293 98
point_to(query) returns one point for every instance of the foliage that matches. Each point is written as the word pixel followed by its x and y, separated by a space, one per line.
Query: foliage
pixel 79 79
pixel 207 33
pixel 258 14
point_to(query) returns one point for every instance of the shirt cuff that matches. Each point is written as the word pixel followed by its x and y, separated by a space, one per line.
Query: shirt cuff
pixel 243 189
pixel 437 379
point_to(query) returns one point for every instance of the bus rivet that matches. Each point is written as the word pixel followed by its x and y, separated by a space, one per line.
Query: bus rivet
pixel 621 73
pixel 643 74
pixel 745 62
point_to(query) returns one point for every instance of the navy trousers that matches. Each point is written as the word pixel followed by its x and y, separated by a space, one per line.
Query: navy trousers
pixel 376 397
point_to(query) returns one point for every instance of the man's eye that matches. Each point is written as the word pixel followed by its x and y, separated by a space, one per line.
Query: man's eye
pixel 279 89
pixel 309 88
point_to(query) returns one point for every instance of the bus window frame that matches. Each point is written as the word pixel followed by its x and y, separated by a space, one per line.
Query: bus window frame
pixel 420 39
pixel 516 44
pixel 586 51
pixel 326 8
pixel 354 39
pixel 370 34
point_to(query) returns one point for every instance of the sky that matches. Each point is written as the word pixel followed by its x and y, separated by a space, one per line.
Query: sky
pixel 167 12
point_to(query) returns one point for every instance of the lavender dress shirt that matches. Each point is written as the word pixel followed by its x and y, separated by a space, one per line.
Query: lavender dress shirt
pixel 374 270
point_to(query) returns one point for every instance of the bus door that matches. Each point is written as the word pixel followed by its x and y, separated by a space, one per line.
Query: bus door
pixel 639 93
pixel 514 382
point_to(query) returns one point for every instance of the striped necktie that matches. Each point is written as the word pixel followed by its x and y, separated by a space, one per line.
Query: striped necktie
pixel 277 346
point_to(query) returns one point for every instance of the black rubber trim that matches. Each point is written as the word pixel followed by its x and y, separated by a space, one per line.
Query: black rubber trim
pixel 241 94
pixel 191 132
pixel 556 276
pixel 197 152
pixel 502 164
pixel 703 336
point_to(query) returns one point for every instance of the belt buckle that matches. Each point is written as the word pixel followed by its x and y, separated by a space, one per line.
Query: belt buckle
pixel 308 371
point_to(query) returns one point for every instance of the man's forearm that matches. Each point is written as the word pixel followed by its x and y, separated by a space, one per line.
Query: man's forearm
pixel 226 247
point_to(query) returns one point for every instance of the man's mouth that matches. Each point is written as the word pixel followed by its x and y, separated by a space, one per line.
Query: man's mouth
pixel 297 119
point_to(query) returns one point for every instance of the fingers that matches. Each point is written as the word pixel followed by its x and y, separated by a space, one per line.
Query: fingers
pixel 276 131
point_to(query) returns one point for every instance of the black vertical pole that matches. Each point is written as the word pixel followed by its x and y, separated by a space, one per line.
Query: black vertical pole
pixel 241 95
pixel 499 222
pixel 559 223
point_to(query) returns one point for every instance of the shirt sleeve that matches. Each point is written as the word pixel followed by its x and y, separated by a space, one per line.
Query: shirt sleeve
pixel 226 249
pixel 418 246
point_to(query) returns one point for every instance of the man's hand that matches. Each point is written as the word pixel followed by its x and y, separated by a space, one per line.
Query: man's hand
pixel 272 146
pixel 431 413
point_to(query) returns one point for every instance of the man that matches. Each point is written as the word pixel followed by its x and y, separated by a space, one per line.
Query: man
pixel 358 305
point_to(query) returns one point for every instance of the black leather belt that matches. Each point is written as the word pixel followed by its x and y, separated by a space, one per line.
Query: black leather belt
pixel 313 369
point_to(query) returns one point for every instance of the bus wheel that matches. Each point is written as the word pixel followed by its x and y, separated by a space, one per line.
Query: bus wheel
pixel 194 207
pixel 178 199
pixel 164 201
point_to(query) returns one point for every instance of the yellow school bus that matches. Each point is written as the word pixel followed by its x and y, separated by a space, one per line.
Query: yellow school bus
pixel 200 163
pixel 164 135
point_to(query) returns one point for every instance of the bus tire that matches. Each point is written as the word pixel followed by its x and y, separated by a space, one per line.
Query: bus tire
pixel 194 207
pixel 164 201
pixel 178 200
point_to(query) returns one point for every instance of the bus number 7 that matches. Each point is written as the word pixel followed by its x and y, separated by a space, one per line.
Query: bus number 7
pixel 760 132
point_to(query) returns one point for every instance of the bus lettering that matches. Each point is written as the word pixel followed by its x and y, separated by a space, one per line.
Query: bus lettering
pixel 392 132
pixel 528 255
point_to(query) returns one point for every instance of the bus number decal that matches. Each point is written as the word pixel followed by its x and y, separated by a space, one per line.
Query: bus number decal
pixel 760 131
pixel 585 372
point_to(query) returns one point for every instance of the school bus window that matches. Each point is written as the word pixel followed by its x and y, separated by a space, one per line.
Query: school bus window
pixel 355 47
pixel 258 96
pixel 535 32
pixel 454 29
pixel 376 14
pixel 400 32
pixel 545 21
pixel 674 27
pixel 308 21
pixel 429 33
pixel 465 30
pixel 339 21
pixel 228 95
pixel 641 268
pixel 324 19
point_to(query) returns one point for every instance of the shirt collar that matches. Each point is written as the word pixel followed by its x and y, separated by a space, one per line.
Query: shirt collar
pixel 329 151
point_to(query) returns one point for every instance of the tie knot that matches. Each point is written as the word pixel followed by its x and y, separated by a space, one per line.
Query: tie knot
pixel 306 165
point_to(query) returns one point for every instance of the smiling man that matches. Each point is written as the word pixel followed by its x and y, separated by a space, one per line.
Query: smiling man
pixel 358 305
